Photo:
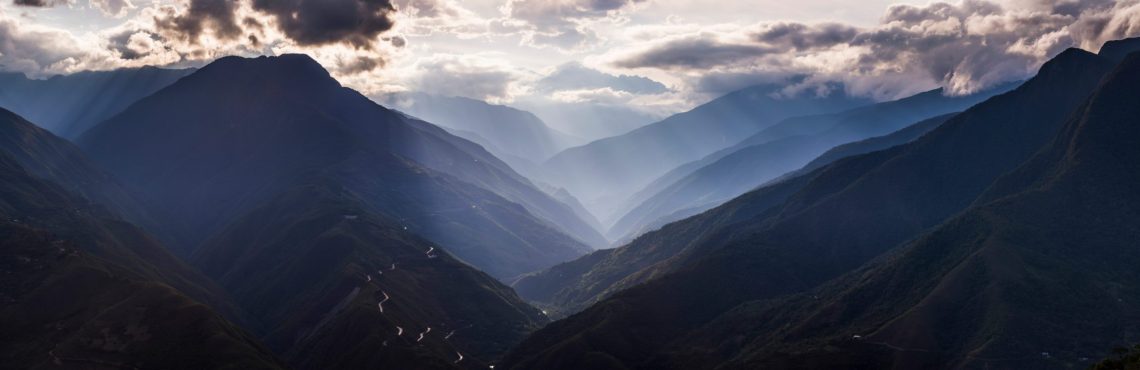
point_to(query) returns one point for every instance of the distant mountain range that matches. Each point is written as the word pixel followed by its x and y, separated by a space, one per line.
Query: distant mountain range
pixel 709 291
pixel 70 105
pixel 619 166
pixel 255 214
pixel 517 137
pixel 588 120
pixel 784 147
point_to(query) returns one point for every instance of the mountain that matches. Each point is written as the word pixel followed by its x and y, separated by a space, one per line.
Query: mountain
pixel 874 144
pixel 50 186
pixel 1036 275
pixel 868 205
pixel 237 132
pixel 64 308
pixel 605 172
pixel 588 120
pixel 81 287
pixel 568 199
pixel 314 263
pixel 1117 50
pixel 69 105
pixel 900 137
pixel 1122 359
pixel 54 159
pixel 517 137
pixel 787 146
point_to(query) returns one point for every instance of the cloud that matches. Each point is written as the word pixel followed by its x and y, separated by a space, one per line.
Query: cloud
pixel 359 64
pixel 467 76
pixel 319 22
pixel 31 49
pixel 575 76
pixel 799 36
pixel 695 52
pixel 113 8
pixel 41 51
pixel 356 23
pixel 428 8
pixel 965 47
pixel 40 3
pixel 603 95
pixel 199 17
pixel 562 24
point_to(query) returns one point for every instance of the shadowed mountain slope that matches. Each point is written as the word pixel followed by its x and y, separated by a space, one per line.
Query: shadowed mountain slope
pixel 232 135
pixel 36 163
pixel 56 160
pixel 80 288
pixel 868 204
pixel 1035 278
pixel 64 308
pixel 335 284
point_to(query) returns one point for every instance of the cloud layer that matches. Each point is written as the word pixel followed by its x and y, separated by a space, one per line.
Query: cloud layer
pixel 608 52
pixel 964 46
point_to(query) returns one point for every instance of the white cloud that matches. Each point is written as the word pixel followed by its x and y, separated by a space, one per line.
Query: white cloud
pixel 467 76
pixel 113 8
pixel 965 47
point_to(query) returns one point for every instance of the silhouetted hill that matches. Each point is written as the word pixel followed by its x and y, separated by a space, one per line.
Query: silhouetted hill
pixel 71 104
pixel 867 205
pixel 240 131
pixel 605 172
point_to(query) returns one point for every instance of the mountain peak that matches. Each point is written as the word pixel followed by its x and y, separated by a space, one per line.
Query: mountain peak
pixel 1067 58
pixel 1067 64
pixel 1117 50
pixel 287 71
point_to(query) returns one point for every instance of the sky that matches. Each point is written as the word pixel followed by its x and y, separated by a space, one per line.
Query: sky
pixel 654 56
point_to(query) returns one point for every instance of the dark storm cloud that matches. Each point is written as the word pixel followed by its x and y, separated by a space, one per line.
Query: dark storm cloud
pixel 306 22
pixel 39 3
pixel 216 15
pixel 718 83
pixel 359 65
pixel 398 41
pixel 320 22
pixel 695 52
pixel 800 36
